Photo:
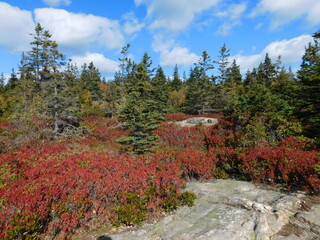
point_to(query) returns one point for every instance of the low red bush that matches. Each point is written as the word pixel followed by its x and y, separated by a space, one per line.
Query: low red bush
pixel 286 163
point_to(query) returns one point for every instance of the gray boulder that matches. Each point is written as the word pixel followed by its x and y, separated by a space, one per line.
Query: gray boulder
pixel 190 122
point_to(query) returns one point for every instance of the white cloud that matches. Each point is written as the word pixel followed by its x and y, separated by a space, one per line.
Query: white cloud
pixel 80 31
pixel 171 53
pixel 233 14
pixel 56 3
pixel 105 65
pixel 291 52
pixel 174 15
pixel 138 2
pixel 234 11
pixel 132 24
pixel 15 27
pixel 285 11
pixel 178 55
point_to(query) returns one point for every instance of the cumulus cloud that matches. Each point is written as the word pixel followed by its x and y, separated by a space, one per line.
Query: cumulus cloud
pixel 285 11
pixel 56 3
pixel 15 28
pixel 174 15
pixel 80 31
pixel 178 55
pixel 233 16
pixel 291 52
pixel 171 53
pixel 132 25
pixel 105 65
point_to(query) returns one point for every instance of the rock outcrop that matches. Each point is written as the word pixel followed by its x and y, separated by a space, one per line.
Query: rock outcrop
pixel 190 122
pixel 235 210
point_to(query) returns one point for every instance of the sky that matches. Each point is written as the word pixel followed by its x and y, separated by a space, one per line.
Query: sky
pixel 170 31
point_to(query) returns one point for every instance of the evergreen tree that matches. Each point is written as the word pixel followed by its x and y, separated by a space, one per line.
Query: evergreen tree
pixel 160 91
pixel 266 71
pixel 176 82
pixel 223 62
pixel 13 81
pixel 138 113
pixel 3 102
pixel 71 92
pixel 200 92
pixel 233 74
pixel 90 80
pixel 308 96
pixel 232 91
pixel 42 70
pixel 147 62
pixel 2 80
pixel 125 66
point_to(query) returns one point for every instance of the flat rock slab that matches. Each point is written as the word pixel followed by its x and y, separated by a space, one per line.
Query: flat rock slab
pixel 234 210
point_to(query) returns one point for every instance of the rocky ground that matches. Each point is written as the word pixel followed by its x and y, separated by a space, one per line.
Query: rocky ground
pixel 235 210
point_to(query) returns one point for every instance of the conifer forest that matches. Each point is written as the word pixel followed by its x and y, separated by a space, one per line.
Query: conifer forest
pixel 80 152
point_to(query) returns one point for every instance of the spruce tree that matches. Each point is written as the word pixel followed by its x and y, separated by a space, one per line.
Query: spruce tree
pixel 160 91
pixel 2 80
pixel 90 80
pixel 176 82
pixel 223 62
pixel 138 114
pixel 308 94
pixel 200 87
pixel 42 69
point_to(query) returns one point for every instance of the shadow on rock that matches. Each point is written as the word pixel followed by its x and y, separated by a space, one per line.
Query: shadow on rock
pixel 104 238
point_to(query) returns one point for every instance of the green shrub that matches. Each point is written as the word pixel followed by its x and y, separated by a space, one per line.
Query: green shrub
pixel 187 198
pixel 129 214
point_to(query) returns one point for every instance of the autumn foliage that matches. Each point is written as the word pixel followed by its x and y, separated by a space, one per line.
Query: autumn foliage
pixel 55 188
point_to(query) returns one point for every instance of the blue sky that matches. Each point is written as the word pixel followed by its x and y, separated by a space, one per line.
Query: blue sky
pixel 171 31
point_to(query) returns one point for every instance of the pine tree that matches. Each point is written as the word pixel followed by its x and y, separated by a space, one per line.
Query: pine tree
pixel 266 71
pixel 147 62
pixel 233 74
pixel 13 81
pixel 176 82
pixel 138 113
pixel 232 90
pixel 90 80
pixel 2 80
pixel 42 69
pixel 223 62
pixel 200 87
pixel 308 100
pixel 160 91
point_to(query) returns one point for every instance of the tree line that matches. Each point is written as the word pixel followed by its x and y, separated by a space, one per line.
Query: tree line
pixel 267 104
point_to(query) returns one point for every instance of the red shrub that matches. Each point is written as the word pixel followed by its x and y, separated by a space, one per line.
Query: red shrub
pixel 55 188
pixel 286 163
pixel 196 164
pixel 180 137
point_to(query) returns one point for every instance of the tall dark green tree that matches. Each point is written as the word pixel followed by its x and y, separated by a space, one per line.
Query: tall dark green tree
pixel 42 68
pixel 308 105
pixel 160 91
pixel 90 80
pixel 2 80
pixel 232 91
pixel 125 66
pixel 138 114
pixel 13 81
pixel 267 71
pixel 200 92
pixel 176 82
pixel 224 54
pixel 233 74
